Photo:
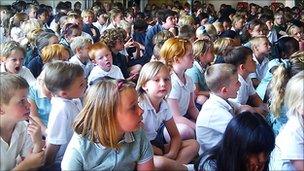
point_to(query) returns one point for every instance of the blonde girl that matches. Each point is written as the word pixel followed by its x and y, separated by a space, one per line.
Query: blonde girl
pixel 177 54
pixel 109 129
pixel 153 85
pixel 15 31
pixel 277 88
pixel 221 46
pixel 288 153
pixel 203 54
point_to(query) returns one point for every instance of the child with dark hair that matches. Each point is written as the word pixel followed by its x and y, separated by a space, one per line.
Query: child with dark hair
pixel 251 151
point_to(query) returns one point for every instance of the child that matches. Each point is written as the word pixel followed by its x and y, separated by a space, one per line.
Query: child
pixel 67 84
pixel 217 111
pixel 260 48
pixel 178 56
pixel 153 85
pixel 246 145
pixel 15 141
pixel 40 99
pixel 203 53
pixel 277 87
pixel 80 47
pixel 158 41
pixel 279 24
pixel 241 58
pixel 16 21
pixel 288 154
pixel 272 34
pixel 12 55
pixel 102 57
pixel 88 26
pixel 107 132
pixel 102 21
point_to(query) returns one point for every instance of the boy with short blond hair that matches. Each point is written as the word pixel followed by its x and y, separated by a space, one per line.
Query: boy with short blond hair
pixel 67 84
pixel 261 48
pixel 217 111
pixel 18 138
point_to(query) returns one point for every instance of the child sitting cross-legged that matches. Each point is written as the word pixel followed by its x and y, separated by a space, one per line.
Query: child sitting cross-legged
pixel 153 85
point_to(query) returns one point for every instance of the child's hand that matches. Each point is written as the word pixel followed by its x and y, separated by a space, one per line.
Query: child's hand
pixel 34 160
pixel 35 131
pixel 170 155
pixel 248 108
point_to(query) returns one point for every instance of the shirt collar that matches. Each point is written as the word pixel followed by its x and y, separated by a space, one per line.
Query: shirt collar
pixel 146 105
pixel 128 137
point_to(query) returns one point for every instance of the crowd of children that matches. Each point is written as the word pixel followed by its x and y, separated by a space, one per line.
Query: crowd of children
pixel 169 88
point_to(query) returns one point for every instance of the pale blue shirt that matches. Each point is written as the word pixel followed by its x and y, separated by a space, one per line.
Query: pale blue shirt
pixel 83 154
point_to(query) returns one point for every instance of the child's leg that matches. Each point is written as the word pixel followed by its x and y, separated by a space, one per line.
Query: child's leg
pixel 189 149
pixel 163 163
pixel 185 131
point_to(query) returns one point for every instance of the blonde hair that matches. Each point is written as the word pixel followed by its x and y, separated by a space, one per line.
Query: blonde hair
pixel 30 25
pixel 95 47
pixel 294 96
pixel 237 18
pixel 7 48
pixel 51 52
pixel 201 47
pixel 174 49
pixel 280 78
pixel 257 40
pixel 148 72
pixel 97 120
pixel 79 42
pixel 86 13
pixel 186 20
pixel 291 28
pixel 221 45
pixel 219 75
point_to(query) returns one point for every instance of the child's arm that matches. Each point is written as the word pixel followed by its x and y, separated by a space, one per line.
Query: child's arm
pixel 35 133
pixel 192 110
pixel 175 142
pixel 298 164
pixel 178 118
pixel 34 115
pixel 50 153
pixel 255 101
pixel 33 160
pixel 148 165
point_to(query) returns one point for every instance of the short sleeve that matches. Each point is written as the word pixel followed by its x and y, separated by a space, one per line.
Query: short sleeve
pixel 28 144
pixel 57 128
pixel 175 92
pixel 146 152
pixel 32 92
pixel 251 89
pixel 72 159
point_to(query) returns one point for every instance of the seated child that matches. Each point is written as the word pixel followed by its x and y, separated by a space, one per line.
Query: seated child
pixel 153 85
pixel 100 54
pixel 241 58
pixel 80 47
pixel 203 53
pixel 40 99
pixel 12 55
pixel 178 56
pixel 217 111
pixel 88 26
pixel 288 153
pixel 107 132
pixel 18 138
pixel 260 48
pixel 67 84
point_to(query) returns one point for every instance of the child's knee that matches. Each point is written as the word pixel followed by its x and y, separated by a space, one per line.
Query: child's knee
pixel 185 131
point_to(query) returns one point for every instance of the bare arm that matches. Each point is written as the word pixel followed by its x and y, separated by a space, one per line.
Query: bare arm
pixel 50 153
pixel 257 103
pixel 149 165
pixel 32 161
pixel 175 142
pixel 192 110
pixel 35 116
pixel 298 164
pixel 178 118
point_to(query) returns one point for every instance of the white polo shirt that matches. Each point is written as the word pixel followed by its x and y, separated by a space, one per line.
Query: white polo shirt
pixel 97 72
pixel 87 68
pixel 152 120
pixel 246 89
pixel 261 68
pixel 24 73
pixel 212 121
pixel 60 124
pixel 181 92
pixel 20 146
pixel 289 145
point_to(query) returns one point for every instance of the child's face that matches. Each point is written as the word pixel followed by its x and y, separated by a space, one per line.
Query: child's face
pixel 256 162
pixel 159 86
pixel 84 52
pixel 13 63
pixel 118 18
pixel 102 19
pixel 119 45
pixel 32 13
pixel 239 24
pixel 187 61
pixel 233 87
pixel 249 64
pixel 269 24
pixel 103 58
pixel 297 33
pixel 263 47
pixel 207 58
pixel 77 89
pixel 256 31
pixel 170 22
pixel 18 108
pixel 226 25
pixel 278 19
pixel 88 19
pixel 129 114
pixel 129 18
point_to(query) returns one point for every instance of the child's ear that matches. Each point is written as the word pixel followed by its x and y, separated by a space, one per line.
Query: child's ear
pixel 223 90
pixel 62 93
pixel 242 67
pixel 144 87
pixel 78 50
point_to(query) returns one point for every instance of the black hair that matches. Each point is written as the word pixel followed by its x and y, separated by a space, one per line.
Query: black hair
pixel 224 19
pixel 284 47
pixel 247 133
pixel 162 15
pixel 265 17
pixel 140 25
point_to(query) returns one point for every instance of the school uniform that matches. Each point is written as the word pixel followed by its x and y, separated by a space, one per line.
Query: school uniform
pixel 87 66
pixel 97 72
pixel 246 89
